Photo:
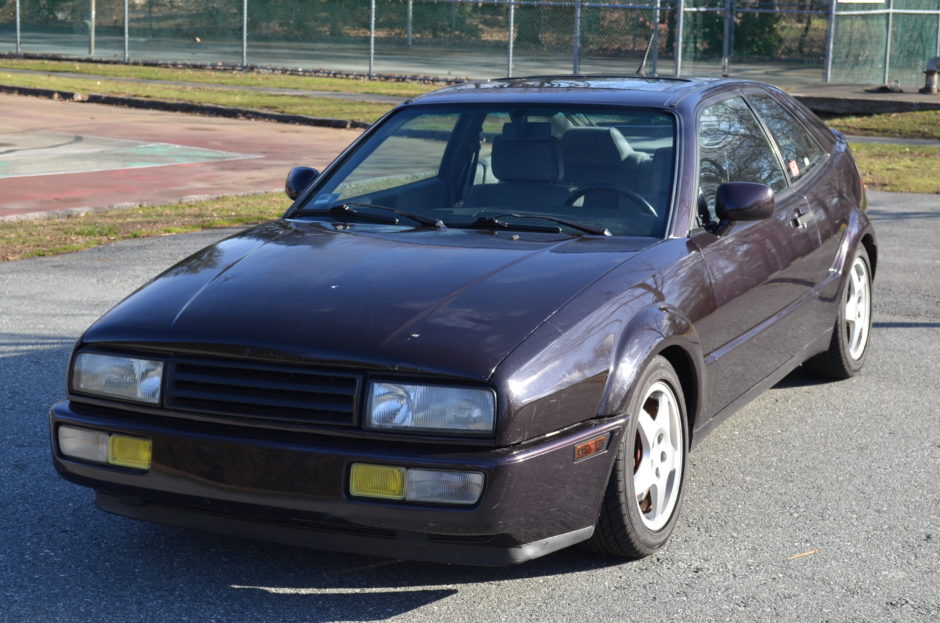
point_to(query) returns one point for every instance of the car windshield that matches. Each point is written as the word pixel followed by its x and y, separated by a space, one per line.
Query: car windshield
pixel 577 170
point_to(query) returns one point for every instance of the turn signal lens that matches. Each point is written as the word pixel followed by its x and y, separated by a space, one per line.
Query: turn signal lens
pixel 590 448
pixel 377 481
pixel 129 451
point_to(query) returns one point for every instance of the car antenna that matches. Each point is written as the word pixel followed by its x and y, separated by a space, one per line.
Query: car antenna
pixel 642 67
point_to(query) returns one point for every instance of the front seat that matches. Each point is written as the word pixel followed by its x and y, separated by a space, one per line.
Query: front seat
pixel 602 156
pixel 527 161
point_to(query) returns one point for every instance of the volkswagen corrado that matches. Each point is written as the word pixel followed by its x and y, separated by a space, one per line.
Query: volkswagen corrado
pixel 492 328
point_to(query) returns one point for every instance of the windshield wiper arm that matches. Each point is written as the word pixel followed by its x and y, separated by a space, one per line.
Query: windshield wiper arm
pixel 346 206
pixel 587 229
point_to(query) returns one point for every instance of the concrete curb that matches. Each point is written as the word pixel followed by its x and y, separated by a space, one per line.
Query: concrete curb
pixel 860 106
pixel 210 110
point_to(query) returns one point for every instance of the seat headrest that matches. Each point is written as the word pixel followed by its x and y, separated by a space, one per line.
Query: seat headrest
pixel 595 146
pixel 527 152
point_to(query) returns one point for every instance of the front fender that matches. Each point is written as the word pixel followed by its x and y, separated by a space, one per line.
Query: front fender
pixel 657 329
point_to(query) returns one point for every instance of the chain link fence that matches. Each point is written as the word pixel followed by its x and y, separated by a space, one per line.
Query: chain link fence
pixel 783 41
pixel 884 42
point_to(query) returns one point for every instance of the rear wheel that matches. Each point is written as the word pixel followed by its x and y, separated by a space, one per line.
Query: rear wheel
pixel 849 344
pixel 642 501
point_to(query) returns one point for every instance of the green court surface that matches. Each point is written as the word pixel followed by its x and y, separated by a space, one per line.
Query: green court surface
pixel 51 153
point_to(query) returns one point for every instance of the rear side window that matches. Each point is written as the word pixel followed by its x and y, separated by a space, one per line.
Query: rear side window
pixel 800 152
pixel 734 148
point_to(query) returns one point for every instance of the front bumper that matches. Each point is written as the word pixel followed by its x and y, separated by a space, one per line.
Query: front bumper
pixel 536 497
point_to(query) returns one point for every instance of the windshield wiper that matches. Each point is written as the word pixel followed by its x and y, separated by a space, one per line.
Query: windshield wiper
pixel 346 208
pixel 497 221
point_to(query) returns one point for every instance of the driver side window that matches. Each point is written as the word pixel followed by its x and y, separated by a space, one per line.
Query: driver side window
pixel 733 148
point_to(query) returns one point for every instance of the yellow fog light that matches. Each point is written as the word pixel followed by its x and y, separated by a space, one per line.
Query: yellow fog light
pixel 129 451
pixel 377 481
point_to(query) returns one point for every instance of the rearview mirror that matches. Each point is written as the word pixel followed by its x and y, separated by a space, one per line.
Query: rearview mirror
pixel 298 180
pixel 744 201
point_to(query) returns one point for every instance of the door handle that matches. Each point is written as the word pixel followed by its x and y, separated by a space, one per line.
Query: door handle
pixel 803 217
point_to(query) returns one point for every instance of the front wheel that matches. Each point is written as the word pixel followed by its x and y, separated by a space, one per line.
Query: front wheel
pixel 849 343
pixel 642 501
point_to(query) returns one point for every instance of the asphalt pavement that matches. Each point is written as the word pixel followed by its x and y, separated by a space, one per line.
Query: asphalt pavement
pixel 817 502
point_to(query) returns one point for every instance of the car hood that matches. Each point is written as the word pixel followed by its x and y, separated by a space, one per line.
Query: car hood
pixel 452 302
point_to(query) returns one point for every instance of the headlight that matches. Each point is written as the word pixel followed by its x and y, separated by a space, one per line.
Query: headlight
pixel 431 408
pixel 125 378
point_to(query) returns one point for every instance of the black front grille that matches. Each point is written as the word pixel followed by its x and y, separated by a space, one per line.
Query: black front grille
pixel 271 392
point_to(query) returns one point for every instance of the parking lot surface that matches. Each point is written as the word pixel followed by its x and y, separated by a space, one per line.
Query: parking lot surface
pixel 817 502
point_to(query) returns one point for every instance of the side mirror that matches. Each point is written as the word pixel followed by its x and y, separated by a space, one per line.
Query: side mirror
pixel 744 201
pixel 298 180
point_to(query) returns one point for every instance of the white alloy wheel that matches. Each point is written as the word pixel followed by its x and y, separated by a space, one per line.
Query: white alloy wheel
pixel 857 308
pixel 658 456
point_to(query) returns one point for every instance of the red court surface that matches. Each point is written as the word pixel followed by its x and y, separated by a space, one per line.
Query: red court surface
pixel 64 155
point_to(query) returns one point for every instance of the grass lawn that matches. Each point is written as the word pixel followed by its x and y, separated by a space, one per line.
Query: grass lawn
pixel 221 96
pixel 899 168
pixel 921 124
pixel 32 238
pixel 234 78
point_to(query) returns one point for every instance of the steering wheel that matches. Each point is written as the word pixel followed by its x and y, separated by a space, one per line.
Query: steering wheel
pixel 630 194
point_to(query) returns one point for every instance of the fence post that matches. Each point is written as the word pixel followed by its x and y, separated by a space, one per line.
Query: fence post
pixel 655 38
pixel 127 17
pixel 408 26
pixel 91 29
pixel 244 33
pixel 17 27
pixel 576 52
pixel 512 36
pixel 371 38
pixel 888 40
pixel 726 43
pixel 830 39
pixel 677 41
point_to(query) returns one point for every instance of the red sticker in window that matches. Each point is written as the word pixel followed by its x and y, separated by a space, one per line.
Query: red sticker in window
pixel 794 168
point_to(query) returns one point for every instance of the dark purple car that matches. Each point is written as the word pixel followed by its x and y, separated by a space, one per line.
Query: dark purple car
pixel 491 329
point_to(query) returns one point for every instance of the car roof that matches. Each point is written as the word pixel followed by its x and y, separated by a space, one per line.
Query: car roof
pixel 615 90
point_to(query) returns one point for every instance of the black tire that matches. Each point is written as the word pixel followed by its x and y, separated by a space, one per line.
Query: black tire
pixel 623 528
pixel 845 355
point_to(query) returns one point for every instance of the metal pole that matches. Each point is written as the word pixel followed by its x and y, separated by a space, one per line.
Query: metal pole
pixel 127 56
pixel 830 39
pixel 91 30
pixel 411 14
pixel 888 40
pixel 726 43
pixel 512 36
pixel 17 27
pixel 655 38
pixel 677 42
pixel 576 53
pixel 244 33
pixel 371 38
pixel 938 27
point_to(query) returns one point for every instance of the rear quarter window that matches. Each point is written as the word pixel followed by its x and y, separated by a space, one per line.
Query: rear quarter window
pixel 800 151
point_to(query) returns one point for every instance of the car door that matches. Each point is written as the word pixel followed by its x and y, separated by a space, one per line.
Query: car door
pixel 759 270
pixel 810 171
